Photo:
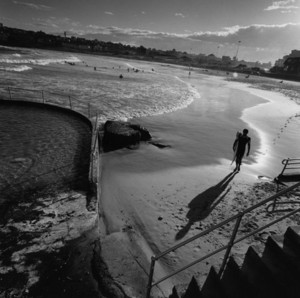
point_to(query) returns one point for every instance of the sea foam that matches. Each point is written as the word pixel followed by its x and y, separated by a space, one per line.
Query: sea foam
pixel 18 68
pixel 46 61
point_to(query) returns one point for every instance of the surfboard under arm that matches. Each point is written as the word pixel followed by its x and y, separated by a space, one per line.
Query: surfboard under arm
pixel 235 146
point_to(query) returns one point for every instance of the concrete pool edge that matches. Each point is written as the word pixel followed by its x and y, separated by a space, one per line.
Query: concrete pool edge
pixel 72 247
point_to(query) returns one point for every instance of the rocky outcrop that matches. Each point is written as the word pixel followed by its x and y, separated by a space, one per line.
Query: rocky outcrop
pixel 119 134
pixel 38 240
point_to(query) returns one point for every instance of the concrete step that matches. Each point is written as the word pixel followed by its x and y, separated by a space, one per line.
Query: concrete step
pixel 174 293
pixel 193 290
pixel 281 268
pixel 212 287
pixel 235 282
pixel 291 244
pixel 259 275
pixel 269 270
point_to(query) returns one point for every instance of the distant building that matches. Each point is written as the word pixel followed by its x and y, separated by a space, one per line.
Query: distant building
pixel 226 59
pixel 291 66
pixel 294 53
pixel 241 67
pixel 212 57
pixel 280 62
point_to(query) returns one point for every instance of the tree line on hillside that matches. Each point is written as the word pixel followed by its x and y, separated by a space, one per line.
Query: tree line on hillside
pixel 40 39
pixel 290 65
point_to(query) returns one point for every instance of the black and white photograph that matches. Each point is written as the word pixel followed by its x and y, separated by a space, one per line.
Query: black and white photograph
pixel 149 149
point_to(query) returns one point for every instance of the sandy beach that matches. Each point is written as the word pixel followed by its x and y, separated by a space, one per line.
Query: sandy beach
pixel 154 198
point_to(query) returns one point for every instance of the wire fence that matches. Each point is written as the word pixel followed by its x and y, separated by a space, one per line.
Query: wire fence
pixel 47 97
pixel 290 164
pixel 65 176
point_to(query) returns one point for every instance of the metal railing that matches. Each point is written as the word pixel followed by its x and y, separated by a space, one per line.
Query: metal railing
pixel 290 164
pixel 95 151
pixel 232 241
pixel 65 101
pixel 43 96
pixel 294 175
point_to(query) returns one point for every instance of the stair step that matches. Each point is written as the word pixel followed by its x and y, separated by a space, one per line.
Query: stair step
pixel 291 243
pixel 269 270
pixel 291 248
pixel 260 276
pixel 235 283
pixel 279 257
pixel 174 293
pixel 279 239
pixel 295 229
pixel 212 287
pixel 193 290
pixel 281 267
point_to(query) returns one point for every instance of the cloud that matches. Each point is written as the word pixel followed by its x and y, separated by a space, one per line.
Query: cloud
pixel 179 14
pixel 34 6
pixel 257 41
pixel 116 31
pixel 53 22
pixel 283 6
pixel 109 13
pixel 256 35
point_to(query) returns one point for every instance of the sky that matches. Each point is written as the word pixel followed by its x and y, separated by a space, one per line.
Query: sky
pixel 254 30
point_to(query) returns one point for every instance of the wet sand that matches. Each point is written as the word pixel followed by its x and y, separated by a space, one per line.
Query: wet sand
pixel 154 198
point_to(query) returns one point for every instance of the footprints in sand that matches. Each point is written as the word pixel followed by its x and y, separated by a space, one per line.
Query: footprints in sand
pixel 283 128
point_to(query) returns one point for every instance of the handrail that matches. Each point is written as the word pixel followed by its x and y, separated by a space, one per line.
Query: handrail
pixel 41 93
pixel 33 90
pixel 232 241
pixel 70 100
pixel 94 152
pixel 289 164
pixel 290 161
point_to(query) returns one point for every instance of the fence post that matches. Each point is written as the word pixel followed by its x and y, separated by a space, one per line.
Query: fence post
pixel 43 96
pixel 285 165
pixel 9 93
pixel 70 102
pixel 149 286
pixel 230 244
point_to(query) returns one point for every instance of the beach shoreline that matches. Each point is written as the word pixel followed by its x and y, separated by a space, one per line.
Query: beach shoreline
pixel 146 193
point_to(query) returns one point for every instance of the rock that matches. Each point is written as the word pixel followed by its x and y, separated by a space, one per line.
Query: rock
pixel 159 145
pixel 145 134
pixel 118 134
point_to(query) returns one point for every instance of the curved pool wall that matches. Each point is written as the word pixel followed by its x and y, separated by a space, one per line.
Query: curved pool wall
pixel 43 148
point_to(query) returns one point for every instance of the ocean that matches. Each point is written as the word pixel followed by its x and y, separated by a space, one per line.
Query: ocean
pixel 146 193
pixel 91 85
pixel 146 88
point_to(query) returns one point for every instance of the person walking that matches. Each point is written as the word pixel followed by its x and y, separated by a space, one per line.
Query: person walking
pixel 239 147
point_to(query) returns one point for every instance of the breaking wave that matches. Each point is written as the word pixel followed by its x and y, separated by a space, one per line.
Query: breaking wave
pixel 153 90
pixel 45 61
pixel 17 68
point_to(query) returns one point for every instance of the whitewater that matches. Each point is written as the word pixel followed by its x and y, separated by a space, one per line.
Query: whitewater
pixel 147 195
pixel 146 88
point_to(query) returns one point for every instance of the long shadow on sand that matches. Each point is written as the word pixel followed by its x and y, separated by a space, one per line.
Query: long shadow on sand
pixel 203 204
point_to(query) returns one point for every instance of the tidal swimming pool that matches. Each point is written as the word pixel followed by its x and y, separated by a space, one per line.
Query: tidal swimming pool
pixel 41 148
